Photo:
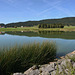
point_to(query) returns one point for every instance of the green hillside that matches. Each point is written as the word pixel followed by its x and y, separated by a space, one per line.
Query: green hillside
pixel 64 21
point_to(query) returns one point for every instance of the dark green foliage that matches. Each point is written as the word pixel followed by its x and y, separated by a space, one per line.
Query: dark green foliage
pixel 19 59
pixel 24 24
pixel 15 27
pixel 64 21
pixel 2 25
pixel 45 34
pixel 50 26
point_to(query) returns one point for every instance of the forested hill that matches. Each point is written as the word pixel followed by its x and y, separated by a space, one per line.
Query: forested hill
pixel 64 21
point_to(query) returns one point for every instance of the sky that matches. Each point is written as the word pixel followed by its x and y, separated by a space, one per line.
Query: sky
pixel 31 10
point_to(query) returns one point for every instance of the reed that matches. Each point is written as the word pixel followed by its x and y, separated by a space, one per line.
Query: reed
pixel 20 58
pixel 73 58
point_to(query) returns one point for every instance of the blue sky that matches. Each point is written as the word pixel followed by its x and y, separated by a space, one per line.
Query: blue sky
pixel 24 10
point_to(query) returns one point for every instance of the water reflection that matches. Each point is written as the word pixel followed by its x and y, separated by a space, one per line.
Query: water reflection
pixel 50 32
pixel 45 34
pixel 2 33
pixel 65 41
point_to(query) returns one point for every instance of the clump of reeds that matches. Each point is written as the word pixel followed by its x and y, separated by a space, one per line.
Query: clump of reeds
pixel 20 58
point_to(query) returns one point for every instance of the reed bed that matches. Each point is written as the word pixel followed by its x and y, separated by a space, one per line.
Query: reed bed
pixel 20 58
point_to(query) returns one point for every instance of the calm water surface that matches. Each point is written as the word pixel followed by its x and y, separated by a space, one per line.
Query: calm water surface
pixel 65 41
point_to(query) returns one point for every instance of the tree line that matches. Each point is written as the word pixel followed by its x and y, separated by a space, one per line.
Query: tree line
pixel 70 21
pixel 50 26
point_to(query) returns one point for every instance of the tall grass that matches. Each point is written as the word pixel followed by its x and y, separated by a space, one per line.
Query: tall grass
pixel 73 58
pixel 20 58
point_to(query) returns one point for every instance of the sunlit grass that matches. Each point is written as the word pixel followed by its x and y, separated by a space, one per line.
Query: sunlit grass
pixel 73 58
pixel 66 70
pixel 69 26
pixel 66 28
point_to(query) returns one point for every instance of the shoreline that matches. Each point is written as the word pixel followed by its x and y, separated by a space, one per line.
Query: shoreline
pixel 37 29
pixel 53 68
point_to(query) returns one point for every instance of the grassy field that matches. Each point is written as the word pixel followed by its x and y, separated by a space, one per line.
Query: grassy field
pixel 66 28
pixel 70 27
pixel 19 29
pixel 20 58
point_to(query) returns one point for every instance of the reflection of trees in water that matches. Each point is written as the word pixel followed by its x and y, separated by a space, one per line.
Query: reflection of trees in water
pixel 45 34
pixel 50 32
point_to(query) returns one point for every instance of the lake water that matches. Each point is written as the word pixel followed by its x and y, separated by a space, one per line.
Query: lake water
pixel 65 41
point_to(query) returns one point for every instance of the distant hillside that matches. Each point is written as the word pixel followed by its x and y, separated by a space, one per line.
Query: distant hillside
pixel 64 21
pixel 1 24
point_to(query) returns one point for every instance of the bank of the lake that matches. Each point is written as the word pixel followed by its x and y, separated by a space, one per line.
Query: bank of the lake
pixel 35 28
pixel 63 66
pixel 65 43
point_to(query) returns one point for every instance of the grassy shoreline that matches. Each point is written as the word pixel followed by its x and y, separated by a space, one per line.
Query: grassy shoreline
pixel 66 28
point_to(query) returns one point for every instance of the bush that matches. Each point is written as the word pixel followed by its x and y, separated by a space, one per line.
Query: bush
pixel 50 26
pixel 15 26
pixel 20 58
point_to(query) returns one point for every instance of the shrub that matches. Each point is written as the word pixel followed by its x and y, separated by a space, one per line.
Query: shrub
pixel 15 26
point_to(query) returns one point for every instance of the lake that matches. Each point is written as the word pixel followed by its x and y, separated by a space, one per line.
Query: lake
pixel 65 41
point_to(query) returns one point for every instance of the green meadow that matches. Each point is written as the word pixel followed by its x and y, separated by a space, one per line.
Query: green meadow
pixel 35 28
